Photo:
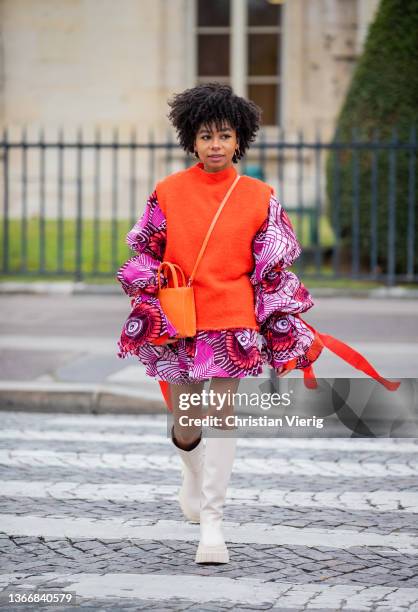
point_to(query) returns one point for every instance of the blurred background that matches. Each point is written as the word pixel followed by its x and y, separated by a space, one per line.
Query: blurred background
pixel 85 136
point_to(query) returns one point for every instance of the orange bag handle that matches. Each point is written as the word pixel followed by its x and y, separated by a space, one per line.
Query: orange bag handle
pixel 172 267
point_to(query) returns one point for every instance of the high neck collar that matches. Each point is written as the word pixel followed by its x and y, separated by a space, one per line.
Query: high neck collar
pixel 213 177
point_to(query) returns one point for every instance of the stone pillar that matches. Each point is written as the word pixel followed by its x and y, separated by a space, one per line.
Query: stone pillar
pixel 238 49
pixel 366 12
pixel 190 59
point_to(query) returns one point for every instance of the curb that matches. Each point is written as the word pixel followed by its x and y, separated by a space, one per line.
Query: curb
pixel 81 288
pixel 59 288
pixel 77 399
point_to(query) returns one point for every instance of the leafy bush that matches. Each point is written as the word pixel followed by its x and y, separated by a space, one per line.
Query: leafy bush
pixel 381 102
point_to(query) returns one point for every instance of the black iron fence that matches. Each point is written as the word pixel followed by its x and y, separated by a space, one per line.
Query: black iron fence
pixel 68 205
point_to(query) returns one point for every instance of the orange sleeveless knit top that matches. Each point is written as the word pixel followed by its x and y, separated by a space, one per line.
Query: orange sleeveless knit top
pixel 189 199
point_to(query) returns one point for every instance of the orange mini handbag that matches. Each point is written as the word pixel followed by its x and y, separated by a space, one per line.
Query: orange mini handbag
pixel 178 302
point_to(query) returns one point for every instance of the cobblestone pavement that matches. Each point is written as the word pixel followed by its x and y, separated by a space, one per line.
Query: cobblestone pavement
pixel 88 505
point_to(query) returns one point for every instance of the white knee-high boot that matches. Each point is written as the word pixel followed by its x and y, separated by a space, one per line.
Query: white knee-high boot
pixel 192 471
pixel 217 468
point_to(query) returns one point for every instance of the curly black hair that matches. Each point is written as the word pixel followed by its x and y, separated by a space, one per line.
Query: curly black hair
pixel 213 102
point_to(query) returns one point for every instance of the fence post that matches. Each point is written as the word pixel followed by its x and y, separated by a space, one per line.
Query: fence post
pixel 390 279
pixel 42 239
pixel 336 225
pixel 5 201
pixel 411 207
pixel 373 209
pixel 79 227
pixel 355 263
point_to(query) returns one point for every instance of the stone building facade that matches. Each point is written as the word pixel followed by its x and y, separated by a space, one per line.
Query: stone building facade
pixel 100 64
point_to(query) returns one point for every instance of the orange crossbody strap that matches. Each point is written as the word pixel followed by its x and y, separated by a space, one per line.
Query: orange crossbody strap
pixel 212 225
pixel 349 355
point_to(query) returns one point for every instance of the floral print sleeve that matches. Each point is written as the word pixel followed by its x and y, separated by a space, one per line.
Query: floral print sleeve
pixel 138 277
pixel 279 294
pixel 147 239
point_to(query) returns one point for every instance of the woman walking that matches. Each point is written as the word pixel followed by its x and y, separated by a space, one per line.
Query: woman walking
pixel 247 301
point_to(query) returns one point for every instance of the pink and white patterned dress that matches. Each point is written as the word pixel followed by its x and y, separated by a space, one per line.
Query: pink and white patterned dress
pixel 279 296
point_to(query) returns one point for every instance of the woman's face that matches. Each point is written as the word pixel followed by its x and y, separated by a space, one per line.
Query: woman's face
pixel 216 148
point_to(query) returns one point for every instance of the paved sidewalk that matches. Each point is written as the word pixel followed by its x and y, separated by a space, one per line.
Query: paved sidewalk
pixel 88 504
pixel 59 351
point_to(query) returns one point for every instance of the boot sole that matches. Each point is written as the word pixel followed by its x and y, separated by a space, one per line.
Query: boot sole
pixel 212 554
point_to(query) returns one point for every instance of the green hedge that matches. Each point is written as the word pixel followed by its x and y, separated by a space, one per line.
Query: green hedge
pixel 382 96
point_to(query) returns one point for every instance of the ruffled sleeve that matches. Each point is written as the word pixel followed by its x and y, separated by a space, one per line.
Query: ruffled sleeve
pixel 138 277
pixel 147 239
pixel 280 296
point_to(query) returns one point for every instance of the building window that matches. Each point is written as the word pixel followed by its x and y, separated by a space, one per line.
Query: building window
pixel 262 35
pixel 213 40
pixel 264 44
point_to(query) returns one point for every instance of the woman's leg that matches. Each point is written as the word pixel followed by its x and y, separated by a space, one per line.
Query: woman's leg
pixel 225 387
pixel 186 436
pixel 219 458
pixel 190 447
